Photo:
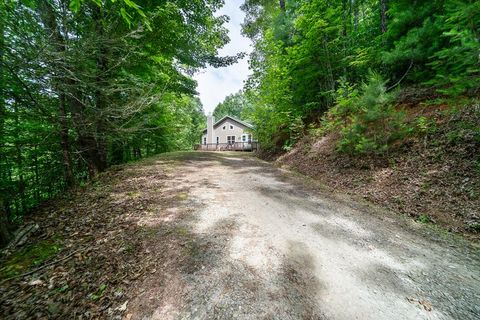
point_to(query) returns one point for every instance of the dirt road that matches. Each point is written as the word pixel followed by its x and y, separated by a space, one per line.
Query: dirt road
pixel 264 243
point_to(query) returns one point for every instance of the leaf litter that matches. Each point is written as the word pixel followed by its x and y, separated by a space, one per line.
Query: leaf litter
pixel 107 230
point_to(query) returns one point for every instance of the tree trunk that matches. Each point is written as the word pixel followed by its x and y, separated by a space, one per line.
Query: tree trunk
pixel 19 159
pixel 100 99
pixel 37 174
pixel 355 14
pixel 117 152
pixel 346 23
pixel 67 161
pixel 49 20
pixel 5 234
pixel 4 224
pixel 282 5
pixel 383 15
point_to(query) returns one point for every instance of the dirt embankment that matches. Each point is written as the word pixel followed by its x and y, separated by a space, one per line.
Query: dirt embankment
pixel 432 176
pixel 94 246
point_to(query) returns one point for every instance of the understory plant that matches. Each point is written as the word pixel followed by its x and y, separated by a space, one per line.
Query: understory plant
pixel 366 118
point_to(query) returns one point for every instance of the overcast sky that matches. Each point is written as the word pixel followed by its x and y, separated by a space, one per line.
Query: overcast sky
pixel 214 84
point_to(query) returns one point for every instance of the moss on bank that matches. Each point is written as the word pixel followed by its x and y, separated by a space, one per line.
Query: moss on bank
pixel 29 257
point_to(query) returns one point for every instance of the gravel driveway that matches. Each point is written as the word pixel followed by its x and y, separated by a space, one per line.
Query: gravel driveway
pixel 269 244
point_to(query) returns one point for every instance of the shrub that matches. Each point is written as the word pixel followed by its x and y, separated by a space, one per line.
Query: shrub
pixel 367 119
pixel 425 125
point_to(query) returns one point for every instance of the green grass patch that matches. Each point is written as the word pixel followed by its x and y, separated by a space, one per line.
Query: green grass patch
pixel 182 196
pixel 475 227
pixel 98 294
pixel 423 218
pixel 133 194
pixel 28 258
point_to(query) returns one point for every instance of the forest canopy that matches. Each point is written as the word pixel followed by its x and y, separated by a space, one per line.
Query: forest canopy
pixel 343 62
pixel 86 84
pixel 236 105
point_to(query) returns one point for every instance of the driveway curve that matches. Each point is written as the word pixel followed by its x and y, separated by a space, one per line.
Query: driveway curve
pixel 269 244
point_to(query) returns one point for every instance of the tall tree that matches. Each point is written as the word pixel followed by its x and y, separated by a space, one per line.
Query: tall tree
pixel 4 225
pixel 383 15
pixel 234 105
pixel 58 47
pixel 86 84
pixel 303 53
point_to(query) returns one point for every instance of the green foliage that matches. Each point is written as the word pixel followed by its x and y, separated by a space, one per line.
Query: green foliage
pixel 235 105
pixel 305 53
pixel 295 130
pixel 367 120
pixel 414 35
pixel 347 96
pixel 440 38
pixel 98 294
pixel 476 164
pixel 29 257
pixel 457 65
pixel 425 125
pixel 425 219
pixel 95 84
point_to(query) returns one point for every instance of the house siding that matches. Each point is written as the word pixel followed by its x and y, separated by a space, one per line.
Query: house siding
pixel 237 131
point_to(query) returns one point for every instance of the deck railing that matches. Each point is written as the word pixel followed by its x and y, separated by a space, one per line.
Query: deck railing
pixel 232 146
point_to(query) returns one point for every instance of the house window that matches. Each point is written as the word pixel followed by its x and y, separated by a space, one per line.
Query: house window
pixel 204 140
pixel 224 127
pixel 230 139
pixel 231 127
pixel 246 137
pixel 218 140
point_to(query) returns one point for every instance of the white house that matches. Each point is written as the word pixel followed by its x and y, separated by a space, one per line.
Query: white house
pixel 227 133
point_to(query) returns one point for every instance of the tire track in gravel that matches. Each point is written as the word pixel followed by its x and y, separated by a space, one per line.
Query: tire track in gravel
pixel 264 243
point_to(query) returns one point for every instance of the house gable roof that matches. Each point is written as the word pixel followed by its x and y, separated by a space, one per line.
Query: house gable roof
pixel 219 122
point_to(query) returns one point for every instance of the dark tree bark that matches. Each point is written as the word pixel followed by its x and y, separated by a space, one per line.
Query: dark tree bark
pixel 117 152
pixel 19 160
pixel 355 14
pixel 5 234
pixel 383 15
pixel 90 133
pixel 49 19
pixel 64 137
pixel 100 99
pixel 282 5
pixel 4 223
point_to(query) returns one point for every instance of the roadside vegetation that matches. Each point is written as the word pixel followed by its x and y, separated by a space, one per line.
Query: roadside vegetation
pixel 375 98
pixel 87 84
pixel 236 105
pixel 380 86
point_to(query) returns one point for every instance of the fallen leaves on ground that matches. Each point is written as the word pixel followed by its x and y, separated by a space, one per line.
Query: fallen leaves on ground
pixel 114 220
pixel 433 178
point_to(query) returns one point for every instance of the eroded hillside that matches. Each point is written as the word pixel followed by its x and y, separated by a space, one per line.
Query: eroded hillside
pixel 433 175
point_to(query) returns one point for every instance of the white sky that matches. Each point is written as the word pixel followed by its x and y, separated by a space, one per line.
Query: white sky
pixel 214 84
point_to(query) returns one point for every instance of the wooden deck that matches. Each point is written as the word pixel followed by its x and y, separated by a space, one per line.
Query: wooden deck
pixel 235 146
